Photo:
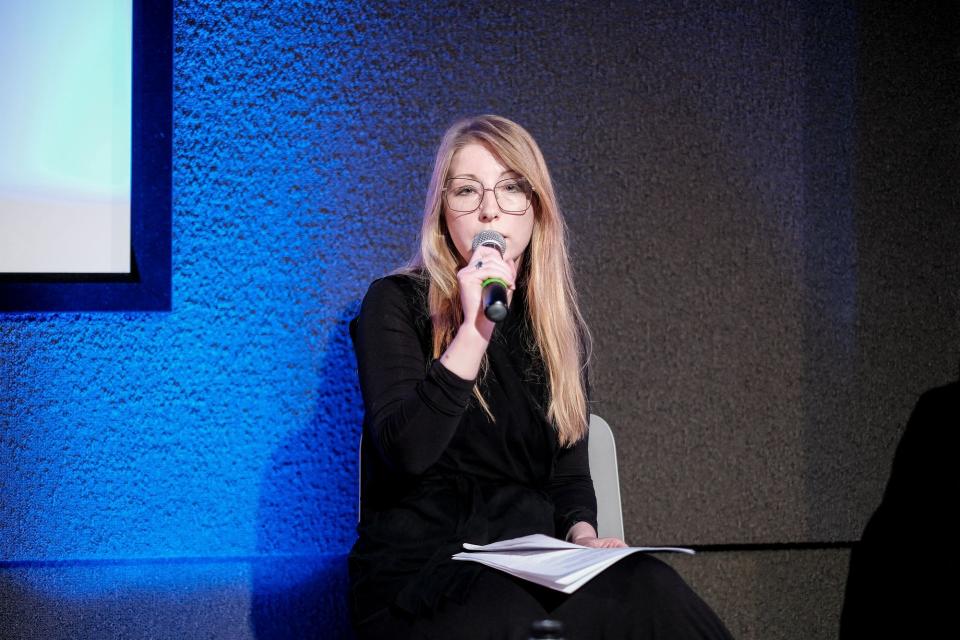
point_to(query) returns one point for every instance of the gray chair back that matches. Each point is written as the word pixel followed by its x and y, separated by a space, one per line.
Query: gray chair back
pixel 602 451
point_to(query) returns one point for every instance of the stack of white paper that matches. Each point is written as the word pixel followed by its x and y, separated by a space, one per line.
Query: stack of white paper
pixel 550 562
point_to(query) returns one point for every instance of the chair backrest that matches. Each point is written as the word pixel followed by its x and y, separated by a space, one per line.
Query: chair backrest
pixel 606 478
pixel 602 452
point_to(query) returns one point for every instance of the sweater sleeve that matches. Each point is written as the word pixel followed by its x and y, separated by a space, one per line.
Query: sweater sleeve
pixel 411 410
pixel 571 489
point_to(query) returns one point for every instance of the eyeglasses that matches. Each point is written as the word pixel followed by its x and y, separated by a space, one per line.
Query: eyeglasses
pixel 465 195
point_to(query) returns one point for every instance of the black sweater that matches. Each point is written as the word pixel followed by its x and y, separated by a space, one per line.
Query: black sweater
pixel 436 471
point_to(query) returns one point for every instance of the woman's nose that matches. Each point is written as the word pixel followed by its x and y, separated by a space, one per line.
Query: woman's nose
pixel 489 209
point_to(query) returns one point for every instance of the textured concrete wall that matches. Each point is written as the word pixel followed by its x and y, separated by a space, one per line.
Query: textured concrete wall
pixel 763 242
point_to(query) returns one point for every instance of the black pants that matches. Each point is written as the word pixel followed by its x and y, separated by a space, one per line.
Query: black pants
pixel 638 597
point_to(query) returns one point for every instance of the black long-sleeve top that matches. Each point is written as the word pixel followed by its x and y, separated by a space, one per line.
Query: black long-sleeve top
pixel 437 472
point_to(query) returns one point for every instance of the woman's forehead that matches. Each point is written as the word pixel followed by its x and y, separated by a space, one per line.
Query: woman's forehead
pixel 475 158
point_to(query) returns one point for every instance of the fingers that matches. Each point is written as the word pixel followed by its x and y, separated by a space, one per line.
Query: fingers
pixel 605 543
pixel 491 265
pixel 484 263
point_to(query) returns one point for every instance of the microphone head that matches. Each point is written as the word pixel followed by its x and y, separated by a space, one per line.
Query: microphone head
pixel 490 238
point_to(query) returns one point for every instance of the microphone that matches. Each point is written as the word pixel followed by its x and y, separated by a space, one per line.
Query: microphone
pixel 494 289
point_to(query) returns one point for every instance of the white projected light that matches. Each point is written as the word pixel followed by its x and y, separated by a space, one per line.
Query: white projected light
pixel 65 73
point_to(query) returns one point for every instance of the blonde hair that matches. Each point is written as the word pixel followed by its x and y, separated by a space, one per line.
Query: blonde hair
pixel 558 328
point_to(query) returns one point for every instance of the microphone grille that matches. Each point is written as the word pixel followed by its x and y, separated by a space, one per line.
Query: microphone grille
pixel 490 238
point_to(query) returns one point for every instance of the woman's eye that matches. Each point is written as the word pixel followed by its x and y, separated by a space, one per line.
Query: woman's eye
pixel 465 191
pixel 510 187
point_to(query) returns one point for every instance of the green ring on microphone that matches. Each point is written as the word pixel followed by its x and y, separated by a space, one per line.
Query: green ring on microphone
pixel 500 280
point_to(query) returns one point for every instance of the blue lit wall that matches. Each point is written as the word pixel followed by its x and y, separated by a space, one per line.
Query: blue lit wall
pixel 193 473
pixel 210 452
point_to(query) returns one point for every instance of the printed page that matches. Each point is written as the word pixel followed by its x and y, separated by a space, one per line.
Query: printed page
pixel 548 561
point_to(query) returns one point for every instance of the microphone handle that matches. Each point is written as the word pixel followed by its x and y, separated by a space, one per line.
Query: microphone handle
pixel 495 299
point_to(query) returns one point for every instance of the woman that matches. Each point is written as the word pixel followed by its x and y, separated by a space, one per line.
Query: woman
pixel 477 432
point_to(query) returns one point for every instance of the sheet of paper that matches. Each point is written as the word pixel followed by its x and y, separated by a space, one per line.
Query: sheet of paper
pixel 538 541
pixel 554 565
pixel 532 542
pixel 550 562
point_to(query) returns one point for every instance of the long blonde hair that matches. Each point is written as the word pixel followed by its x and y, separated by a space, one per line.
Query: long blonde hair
pixel 560 333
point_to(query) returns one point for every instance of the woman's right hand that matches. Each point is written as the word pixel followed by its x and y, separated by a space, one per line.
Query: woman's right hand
pixel 465 352
pixel 471 278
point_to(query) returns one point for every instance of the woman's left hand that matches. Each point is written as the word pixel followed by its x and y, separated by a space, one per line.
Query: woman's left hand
pixel 584 534
pixel 599 543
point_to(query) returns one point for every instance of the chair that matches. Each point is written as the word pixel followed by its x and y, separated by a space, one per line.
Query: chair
pixel 602 453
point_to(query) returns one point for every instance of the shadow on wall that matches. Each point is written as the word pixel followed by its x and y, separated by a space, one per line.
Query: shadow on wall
pixel 300 598
pixel 308 507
